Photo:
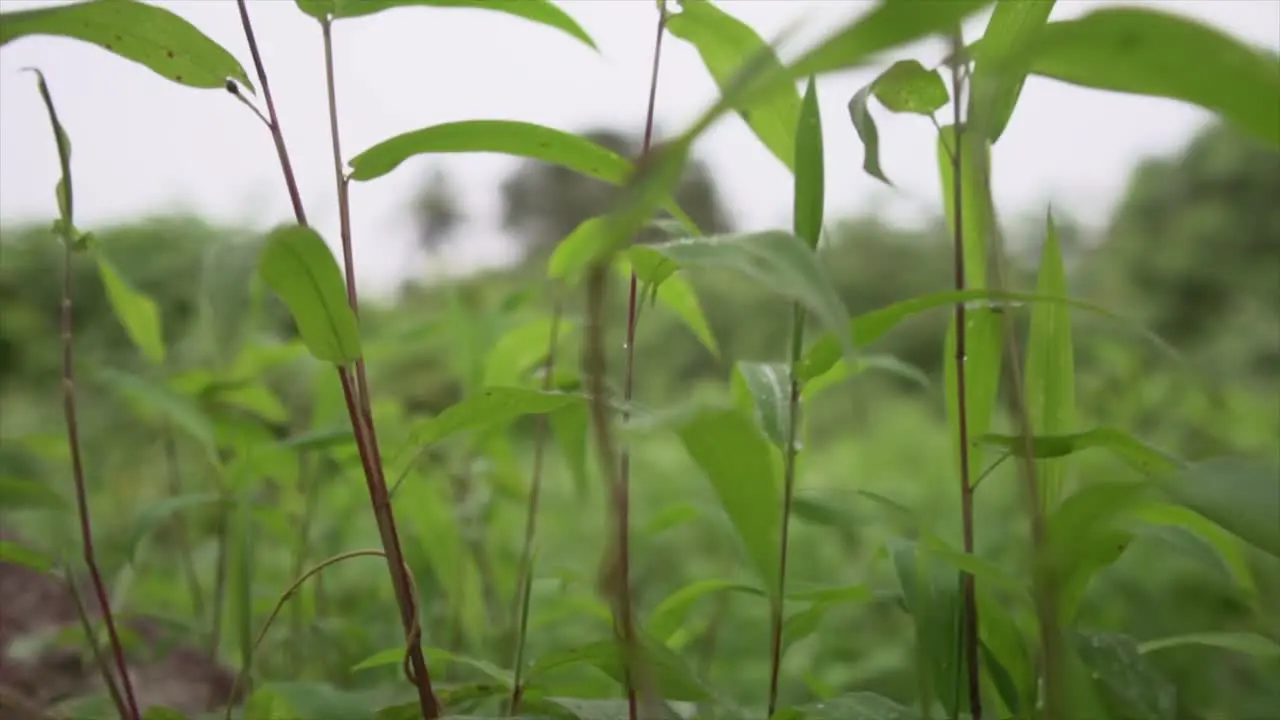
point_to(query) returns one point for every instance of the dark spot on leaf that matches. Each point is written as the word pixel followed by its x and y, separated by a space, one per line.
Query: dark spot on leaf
pixel 177 78
pixel 119 38
pixel 108 47
pixel 169 53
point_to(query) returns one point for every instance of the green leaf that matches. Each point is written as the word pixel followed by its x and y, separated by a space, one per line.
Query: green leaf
pixel 137 312
pixel 153 401
pixel 726 46
pixel 1083 539
pixel 742 468
pixel 869 327
pixel 764 389
pixel 1133 452
pixel 165 510
pixel 157 712
pixel 931 593
pixel 522 347
pixel 20 494
pixel 582 248
pixel 667 617
pixel 997 78
pixel 1238 495
pixel 1151 52
pixel 673 677
pixel 298 265
pixel 1050 373
pixel 865 125
pixel 984 352
pixel 907 87
pixel 677 295
pixel 890 24
pixel 976 222
pixel 810 182
pixel 63 190
pixel 854 706
pixel 137 31
pixel 1135 685
pixel 11 552
pixel 507 137
pixel 543 12
pixel 489 407
pixel 846 368
pixel 569 424
pixel 1241 642
pixel 319 701
pixel 775 260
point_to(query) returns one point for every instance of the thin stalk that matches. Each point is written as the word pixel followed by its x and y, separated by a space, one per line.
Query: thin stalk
pixel 219 577
pixel 788 493
pixel 184 538
pixel 95 647
pixel 362 424
pixel 302 551
pixel 129 707
pixel 614 581
pixel 524 576
pixel 969 629
pixel 622 488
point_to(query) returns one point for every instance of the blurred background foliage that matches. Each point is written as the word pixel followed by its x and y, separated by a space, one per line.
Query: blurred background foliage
pixel 1192 252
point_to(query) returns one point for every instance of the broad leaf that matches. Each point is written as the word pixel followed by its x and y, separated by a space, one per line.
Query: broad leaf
pixel 1050 379
pixel 507 137
pixel 667 617
pixel 578 251
pixel 742 468
pixel 1134 685
pixel 137 312
pixel 153 401
pixel 28 494
pixel 726 46
pixel 846 368
pixel 810 170
pixel 1239 495
pixel 543 12
pixel 674 679
pixel 907 87
pixel 869 327
pixel 775 260
pixel 1151 52
pixel 521 348
pixel 11 552
pixel 764 389
pixel 1133 452
pixel 141 32
pixel 997 77
pixel 1241 642
pixel 298 265
pixel 931 594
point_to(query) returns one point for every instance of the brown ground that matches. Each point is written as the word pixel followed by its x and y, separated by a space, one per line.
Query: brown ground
pixel 165 670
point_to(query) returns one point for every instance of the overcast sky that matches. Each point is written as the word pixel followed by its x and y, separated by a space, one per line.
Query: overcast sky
pixel 146 145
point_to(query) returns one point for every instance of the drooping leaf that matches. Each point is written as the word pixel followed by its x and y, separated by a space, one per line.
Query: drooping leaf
pixel 1136 686
pixel 1241 642
pixel 1050 379
pixel 137 312
pixel 508 137
pixel 1156 53
pixel 742 469
pixel 998 77
pixel 765 389
pixel 677 295
pixel 1239 495
pixel 1133 452
pixel 298 265
pixel 63 190
pixel 865 125
pixel 670 614
pixel 776 260
pixel 543 12
pixel 727 45
pixel 907 87
pixel 810 181
pixel 144 33
pixel 869 327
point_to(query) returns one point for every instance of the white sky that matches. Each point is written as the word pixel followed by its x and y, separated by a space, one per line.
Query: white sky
pixel 144 145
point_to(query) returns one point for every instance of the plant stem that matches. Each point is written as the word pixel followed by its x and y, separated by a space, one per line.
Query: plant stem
pixel 614 581
pixel 969 627
pixel 184 538
pixel 524 576
pixel 788 493
pixel 357 401
pixel 129 708
pixel 622 490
